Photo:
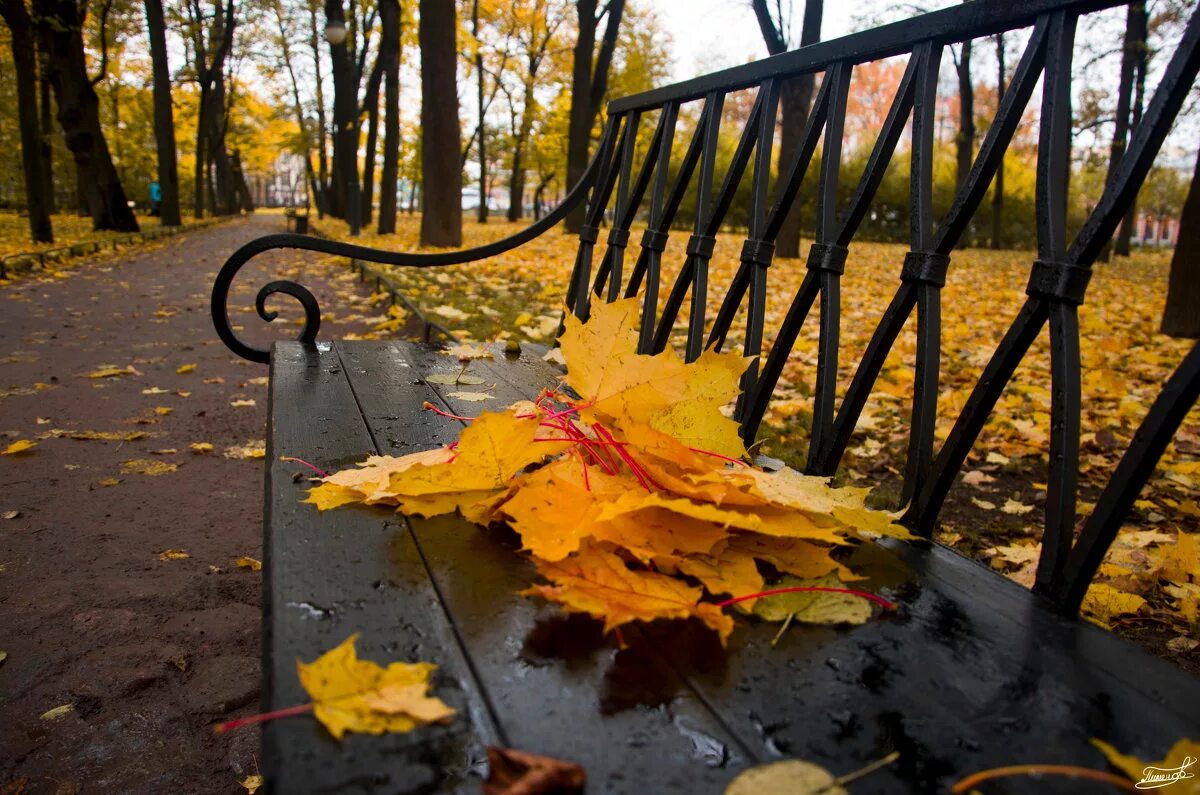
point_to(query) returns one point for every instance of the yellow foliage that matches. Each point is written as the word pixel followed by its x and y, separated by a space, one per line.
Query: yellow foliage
pixel 623 493
pixel 356 695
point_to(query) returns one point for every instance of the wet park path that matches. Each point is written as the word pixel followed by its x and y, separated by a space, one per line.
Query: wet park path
pixel 122 653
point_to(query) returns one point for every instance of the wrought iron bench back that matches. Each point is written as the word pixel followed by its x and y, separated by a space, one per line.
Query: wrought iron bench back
pixel 618 190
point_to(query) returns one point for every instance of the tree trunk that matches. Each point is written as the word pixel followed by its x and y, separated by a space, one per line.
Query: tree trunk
pixel 200 170
pixel 1181 317
pixel 389 48
pixel 1134 14
pixel 223 178
pixel 345 120
pixel 998 188
pixel 441 175
pixel 480 109
pixel 314 42
pixel 589 81
pixel 47 131
pixel 164 121
pixel 964 142
pixel 25 65
pixel 372 108
pixel 60 33
pixel 1140 58
pixel 795 100
pixel 245 201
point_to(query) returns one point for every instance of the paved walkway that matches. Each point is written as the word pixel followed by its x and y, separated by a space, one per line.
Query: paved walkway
pixel 137 653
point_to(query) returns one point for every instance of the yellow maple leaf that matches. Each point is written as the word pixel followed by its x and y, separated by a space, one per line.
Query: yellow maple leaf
pixel 1175 770
pixel 813 607
pixel 19 446
pixel 661 391
pixel 1103 603
pixel 249 563
pixel 599 583
pixel 185 368
pixel 356 695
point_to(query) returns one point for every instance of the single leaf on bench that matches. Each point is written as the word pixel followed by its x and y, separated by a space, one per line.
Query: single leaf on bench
pixel 356 695
pixel 813 607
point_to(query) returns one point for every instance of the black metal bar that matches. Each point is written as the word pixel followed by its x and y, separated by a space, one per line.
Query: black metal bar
pixel 1054 156
pixel 653 240
pixel 1179 394
pixel 578 298
pixel 829 334
pixel 922 512
pixel 688 274
pixel 614 256
pixel 949 25
pixel 995 142
pixel 661 229
pixel 787 188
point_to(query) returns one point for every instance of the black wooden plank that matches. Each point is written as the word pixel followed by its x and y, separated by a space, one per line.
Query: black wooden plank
pixel 973 672
pixel 557 686
pixel 328 575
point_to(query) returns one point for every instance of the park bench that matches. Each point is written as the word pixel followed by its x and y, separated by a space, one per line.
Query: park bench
pixel 972 672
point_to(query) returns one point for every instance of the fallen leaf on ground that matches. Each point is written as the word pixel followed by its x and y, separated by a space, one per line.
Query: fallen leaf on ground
pixel 109 481
pixel 252 784
pixel 10 514
pixel 249 450
pixel 112 372
pixel 513 772
pixel 173 554
pixel 155 391
pixel 356 695
pixel 163 411
pixel 145 466
pixel 249 563
pixel 58 712
pixel 19 446
pixel 1103 603
pixel 241 403
pixel 185 368
pixel 201 447
pixel 103 436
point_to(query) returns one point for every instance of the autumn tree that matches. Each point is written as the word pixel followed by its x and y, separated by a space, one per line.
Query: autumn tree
pixel 164 118
pixel 795 99
pixel 1181 316
pixel 441 174
pixel 389 52
pixel 37 194
pixel 59 26
pixel 536 23
pixel 212 37
pixel 1130 90
pixel 589 82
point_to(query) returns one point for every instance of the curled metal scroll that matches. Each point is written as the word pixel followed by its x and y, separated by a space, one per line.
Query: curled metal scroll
pixel 312 311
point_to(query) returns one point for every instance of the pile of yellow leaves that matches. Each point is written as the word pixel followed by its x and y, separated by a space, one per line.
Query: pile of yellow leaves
pixel 627 485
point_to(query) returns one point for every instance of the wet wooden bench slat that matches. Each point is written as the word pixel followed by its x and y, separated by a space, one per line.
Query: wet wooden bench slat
pixel 972 672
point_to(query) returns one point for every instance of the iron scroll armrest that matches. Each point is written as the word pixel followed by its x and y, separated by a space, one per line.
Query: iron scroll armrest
pixel 312 311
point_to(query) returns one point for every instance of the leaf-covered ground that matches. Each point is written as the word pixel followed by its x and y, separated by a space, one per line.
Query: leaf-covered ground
pixel 69 229
pixel 996 510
